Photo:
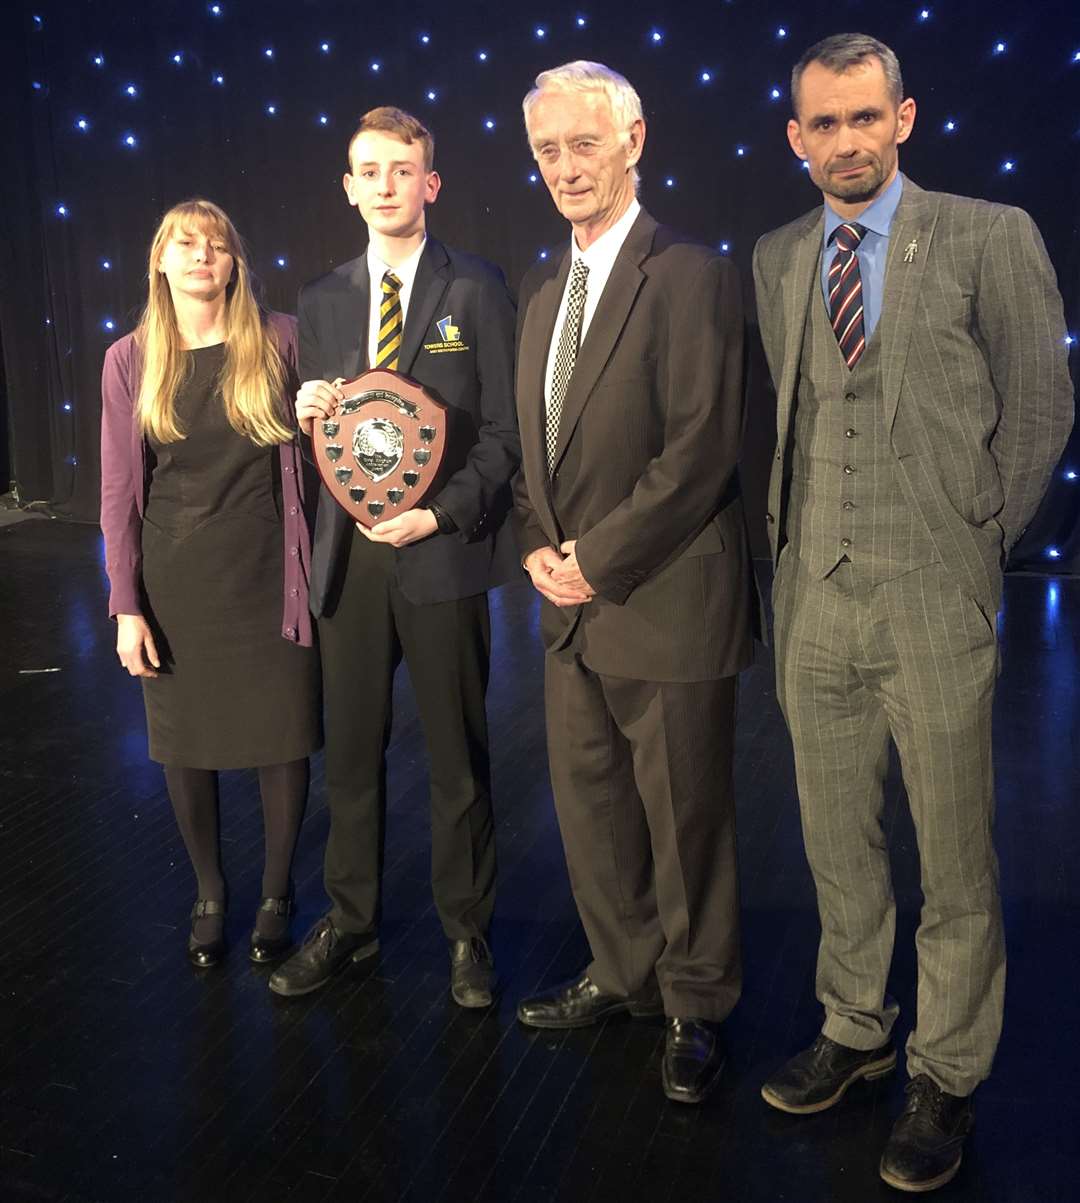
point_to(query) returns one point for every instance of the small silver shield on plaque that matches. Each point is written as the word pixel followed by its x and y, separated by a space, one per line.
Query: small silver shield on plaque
pixel 378 445
pixel 330 428
pixel 343 475
pixel 410 477
pixel 375 508
pixel 427 434
pixel 333 452
pixel 357 493
pixel 394 496
pixel 422 455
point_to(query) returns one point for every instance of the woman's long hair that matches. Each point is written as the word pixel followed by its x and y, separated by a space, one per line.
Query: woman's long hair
pixel 252 379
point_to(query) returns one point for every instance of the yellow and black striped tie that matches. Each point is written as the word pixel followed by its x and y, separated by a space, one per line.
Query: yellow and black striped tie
pixel 386 356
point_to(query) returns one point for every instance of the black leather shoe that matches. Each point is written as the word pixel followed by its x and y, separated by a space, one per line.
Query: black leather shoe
pixel 580 1003
pixel 269 948
pixel 324 951
pixel 927 1141
pixel 816 1078
pixel 472 971
pixel 203 956
pixel 693 1059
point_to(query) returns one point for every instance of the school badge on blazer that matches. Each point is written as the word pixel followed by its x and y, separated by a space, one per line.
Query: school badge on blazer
pixel 380 452
pixel 449 337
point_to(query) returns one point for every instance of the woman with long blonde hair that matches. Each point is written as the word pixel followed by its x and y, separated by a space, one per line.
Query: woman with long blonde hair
pixel 207 549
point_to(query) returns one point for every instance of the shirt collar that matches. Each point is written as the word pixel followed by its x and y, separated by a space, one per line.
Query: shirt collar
pixel 876 217
pixel 405 272
pixel 608 245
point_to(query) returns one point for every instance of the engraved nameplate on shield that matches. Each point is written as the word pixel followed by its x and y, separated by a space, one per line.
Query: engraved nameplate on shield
pixel 381 450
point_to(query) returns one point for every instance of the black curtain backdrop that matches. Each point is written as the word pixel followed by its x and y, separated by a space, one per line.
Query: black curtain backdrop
pixel 115 110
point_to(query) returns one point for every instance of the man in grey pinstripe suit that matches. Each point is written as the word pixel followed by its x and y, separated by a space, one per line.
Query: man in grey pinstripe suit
pixel 916 341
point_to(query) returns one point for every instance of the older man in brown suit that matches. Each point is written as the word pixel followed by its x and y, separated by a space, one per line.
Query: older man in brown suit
pixel 629 391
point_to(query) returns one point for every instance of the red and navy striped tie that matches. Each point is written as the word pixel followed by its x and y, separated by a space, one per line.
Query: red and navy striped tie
pixel 845 293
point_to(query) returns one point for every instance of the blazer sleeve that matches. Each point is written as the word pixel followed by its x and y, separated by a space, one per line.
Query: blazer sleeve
pixel 701 396
pixel 530 534
pixel 1020 317
pixel 527 528
pixel 471 493
pixel 769 315
pixel 121 480
pixel 307 340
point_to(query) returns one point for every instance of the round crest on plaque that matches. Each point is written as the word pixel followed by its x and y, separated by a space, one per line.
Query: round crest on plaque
pixel 380 453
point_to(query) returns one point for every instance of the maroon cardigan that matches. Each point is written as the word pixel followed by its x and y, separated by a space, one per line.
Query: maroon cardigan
pixel 124 481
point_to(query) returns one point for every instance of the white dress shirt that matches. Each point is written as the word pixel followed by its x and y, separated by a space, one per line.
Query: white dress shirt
pixel 599 259
pixel 406 273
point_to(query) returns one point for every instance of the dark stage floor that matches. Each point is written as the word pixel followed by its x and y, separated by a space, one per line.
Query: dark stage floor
pixel 128 1076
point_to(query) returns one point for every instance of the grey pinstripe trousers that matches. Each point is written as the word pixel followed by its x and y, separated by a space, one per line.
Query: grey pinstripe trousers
pixel 914 659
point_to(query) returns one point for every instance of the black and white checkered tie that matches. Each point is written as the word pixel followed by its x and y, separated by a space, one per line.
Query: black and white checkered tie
pixel 565 356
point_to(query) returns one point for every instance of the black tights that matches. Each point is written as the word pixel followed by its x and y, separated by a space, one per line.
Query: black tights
pixel 194 796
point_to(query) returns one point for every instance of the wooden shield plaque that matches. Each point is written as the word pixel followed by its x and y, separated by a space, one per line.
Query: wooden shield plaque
pixel 380 453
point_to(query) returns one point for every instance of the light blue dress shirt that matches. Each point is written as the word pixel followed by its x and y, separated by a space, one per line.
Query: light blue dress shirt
pixel 872 252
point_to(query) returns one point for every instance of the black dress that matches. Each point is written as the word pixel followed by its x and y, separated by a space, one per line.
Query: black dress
pixel 232 692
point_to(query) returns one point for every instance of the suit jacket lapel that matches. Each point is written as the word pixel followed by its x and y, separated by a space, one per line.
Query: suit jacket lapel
pixel 797 285
pixel 537 331
pixel 610 316
pixel 350 319
pixel 909 247
pixel 429 287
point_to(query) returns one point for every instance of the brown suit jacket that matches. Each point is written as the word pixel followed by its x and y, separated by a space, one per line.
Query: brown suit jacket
pixel 645 476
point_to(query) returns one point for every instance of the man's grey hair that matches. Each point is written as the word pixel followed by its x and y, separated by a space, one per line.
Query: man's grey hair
pixel 583 76
pixel 843 51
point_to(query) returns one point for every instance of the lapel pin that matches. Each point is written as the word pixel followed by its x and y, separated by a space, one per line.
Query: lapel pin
pixel 911 250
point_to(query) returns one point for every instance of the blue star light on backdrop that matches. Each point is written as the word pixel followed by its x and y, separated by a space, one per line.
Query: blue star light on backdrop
pixel 132 108
pixel 655 36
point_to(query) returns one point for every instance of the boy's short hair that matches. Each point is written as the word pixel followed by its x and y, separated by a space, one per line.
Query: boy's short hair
pixel 404 126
